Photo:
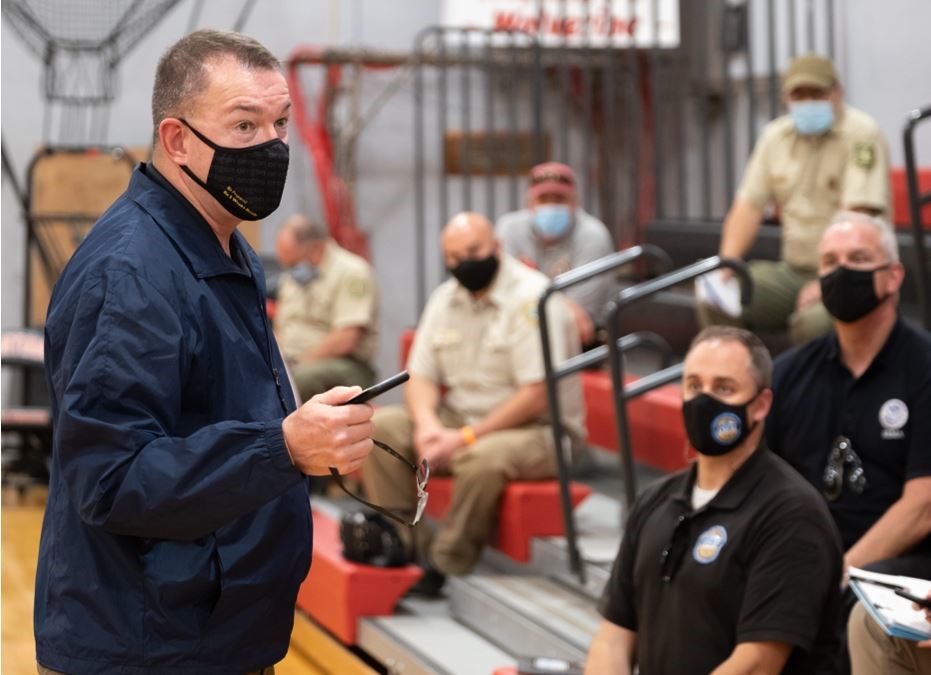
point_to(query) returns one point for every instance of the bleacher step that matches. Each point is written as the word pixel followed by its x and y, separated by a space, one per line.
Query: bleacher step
pixel 598 521
pixel 532 615
pixel 551 559
pixel 427 645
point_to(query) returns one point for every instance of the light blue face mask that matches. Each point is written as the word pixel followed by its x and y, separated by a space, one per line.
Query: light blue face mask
pixel 812 117
pixel 303 273
pixel 552 220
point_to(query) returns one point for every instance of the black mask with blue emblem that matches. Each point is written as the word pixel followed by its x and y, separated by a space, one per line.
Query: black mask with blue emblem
pixel 714 427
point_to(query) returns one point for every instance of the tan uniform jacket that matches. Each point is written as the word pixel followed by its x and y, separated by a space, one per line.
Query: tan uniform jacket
pixel 484 350
pixel 812 177
pixel 343 294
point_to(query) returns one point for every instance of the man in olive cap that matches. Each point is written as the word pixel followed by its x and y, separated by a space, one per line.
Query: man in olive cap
pixel 821 157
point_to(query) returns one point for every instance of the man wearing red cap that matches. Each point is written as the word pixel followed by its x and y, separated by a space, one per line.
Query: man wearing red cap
pixel 823 156
pixel 554 235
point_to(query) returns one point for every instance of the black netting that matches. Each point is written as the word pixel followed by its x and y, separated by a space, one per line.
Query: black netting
pixel 82 41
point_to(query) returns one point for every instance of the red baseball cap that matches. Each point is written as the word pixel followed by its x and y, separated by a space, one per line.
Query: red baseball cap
pixel 551 178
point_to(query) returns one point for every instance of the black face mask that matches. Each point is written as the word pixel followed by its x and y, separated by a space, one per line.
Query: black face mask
pixel 713 426
pixel 247 182
pixel 849 294
pixel 476 275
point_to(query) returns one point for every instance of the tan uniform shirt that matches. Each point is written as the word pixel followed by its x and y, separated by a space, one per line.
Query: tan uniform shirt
pixel 484 350
pixel 811 178
pixel 343 294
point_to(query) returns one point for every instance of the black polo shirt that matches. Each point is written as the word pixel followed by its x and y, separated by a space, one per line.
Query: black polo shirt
pixel 886 414
pixel 760 562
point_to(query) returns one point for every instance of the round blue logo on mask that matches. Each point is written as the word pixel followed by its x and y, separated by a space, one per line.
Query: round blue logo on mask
pixel 726 428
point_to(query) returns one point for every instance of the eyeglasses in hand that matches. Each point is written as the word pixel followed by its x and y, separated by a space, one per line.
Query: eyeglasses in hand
pixel 672 555
pixel 843 465
pixel 421 476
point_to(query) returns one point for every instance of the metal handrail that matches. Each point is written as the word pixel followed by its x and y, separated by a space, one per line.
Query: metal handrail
pixel 915 202
pixel 625 298
pixel 552 375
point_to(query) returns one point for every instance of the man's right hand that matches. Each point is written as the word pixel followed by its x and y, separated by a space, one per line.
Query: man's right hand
pixel 322 433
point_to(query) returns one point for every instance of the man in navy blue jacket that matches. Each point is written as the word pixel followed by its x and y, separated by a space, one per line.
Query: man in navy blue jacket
pixel 178 523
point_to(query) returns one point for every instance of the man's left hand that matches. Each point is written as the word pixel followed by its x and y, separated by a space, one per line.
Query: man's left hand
pixel 442 447
pixel 583 322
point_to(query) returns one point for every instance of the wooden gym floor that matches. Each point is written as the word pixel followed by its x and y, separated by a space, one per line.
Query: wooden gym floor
pixel 21 524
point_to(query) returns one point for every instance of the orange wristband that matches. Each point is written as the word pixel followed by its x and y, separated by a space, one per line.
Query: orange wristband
pixel 468 434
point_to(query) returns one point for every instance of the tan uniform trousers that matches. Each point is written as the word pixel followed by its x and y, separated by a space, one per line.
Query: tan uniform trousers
pixel 776 286
pixel 265 671
pixel 873 652
pixel 480 474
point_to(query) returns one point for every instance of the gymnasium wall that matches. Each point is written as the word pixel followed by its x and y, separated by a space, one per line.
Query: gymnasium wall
pixel 884 51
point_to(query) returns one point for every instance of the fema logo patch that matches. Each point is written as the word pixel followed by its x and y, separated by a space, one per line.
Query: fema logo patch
pixel 893 415
pixel 725 428
pixel 709 544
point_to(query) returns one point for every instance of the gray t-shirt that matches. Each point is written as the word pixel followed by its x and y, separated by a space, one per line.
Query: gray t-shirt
pixel 588 240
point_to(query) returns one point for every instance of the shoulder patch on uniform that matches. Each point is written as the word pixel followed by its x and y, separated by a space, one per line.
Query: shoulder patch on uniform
pixel 357 287
pixel 709 544
pixel 864 155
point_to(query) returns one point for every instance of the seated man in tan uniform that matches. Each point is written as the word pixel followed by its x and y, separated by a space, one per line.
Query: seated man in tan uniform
pixel 821 157
pixel 327 310
pixel 478 338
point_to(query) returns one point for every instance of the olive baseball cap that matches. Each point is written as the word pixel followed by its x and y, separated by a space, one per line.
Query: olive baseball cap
pixel 810 70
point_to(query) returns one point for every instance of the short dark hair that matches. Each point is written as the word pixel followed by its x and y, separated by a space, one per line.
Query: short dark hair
pixel 181 77
pixel 760 360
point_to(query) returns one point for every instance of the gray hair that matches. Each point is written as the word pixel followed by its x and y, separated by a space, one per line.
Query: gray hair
pixel 887 238
pixel 181 76
pixel 760 361
pixel 304 229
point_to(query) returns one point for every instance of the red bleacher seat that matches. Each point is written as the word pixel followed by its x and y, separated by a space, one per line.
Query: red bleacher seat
pixel 407 340
pixel 901 215
pixel 337 592
pixel 528 509
pixel 656 430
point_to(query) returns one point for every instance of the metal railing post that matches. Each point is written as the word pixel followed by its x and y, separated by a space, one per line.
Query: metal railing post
pixel 624 298
pixel 563 281
pixel 915 201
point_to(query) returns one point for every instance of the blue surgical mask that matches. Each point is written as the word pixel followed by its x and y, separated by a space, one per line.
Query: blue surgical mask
pixel 812 117
pixel 552 220
pixel 303 273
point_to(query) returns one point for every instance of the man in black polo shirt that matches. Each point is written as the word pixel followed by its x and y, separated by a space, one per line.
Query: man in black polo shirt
pixel 733 565
pixel 852 410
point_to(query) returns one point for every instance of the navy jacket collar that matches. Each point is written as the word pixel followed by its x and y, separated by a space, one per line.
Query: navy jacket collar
pixel 183 224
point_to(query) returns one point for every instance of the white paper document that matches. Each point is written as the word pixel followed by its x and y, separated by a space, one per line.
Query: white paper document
pixel 712 289
pixel 892 612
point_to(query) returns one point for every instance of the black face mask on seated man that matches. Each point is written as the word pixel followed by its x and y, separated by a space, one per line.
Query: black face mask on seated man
pixel 476 275
pixel 850 294
pixel 713 426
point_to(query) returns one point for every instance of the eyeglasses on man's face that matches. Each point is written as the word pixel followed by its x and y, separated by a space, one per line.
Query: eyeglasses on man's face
pixel 843 467
pixel 421 476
